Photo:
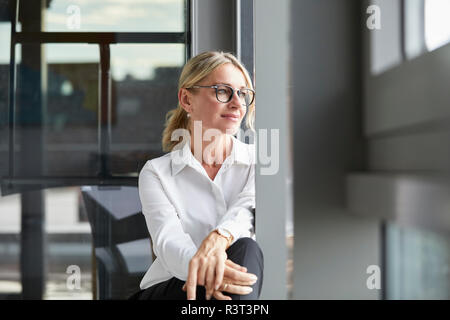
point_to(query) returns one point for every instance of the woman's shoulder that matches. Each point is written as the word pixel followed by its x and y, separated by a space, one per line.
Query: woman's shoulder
pixel 157 164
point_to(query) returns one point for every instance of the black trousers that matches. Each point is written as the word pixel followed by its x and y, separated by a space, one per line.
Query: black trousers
pixel 245 252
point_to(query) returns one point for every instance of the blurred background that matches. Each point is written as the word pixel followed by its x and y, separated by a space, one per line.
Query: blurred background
pixel 352 93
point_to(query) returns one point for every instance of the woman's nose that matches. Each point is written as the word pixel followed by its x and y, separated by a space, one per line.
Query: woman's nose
pixel 236 101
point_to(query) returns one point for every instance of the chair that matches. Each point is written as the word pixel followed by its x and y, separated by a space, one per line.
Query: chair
pixel 121 242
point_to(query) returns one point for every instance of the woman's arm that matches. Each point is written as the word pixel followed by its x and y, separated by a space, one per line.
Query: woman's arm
pixel 208 265
pixel 175 248
pixel 238 220
pixel 171 244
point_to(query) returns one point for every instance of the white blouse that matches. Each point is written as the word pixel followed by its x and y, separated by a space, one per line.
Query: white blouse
pixel 182 205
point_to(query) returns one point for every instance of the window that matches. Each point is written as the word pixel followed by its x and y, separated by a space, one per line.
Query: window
pixel 83 96
pixel 437 24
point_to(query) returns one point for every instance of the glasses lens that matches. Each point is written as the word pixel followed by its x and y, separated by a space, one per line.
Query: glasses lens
pixel 246 96
pixel 224 93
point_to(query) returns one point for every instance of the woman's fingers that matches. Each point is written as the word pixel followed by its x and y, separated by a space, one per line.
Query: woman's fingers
pixel 220 269
pixel 191 282
pixel 239 277
pixel 236 289
pixel 233 265
pixel 220 296
pixel 203 267
pixel 209 282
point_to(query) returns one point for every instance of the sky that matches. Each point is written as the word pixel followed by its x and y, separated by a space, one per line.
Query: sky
pixel 139 60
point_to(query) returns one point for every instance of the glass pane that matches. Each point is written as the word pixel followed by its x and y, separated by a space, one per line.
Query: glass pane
pixel 413 28
pixel 143 88
pixel 10 284
pixel 145 79
pixel 437 23
pixel 385 43
pixel 5 36
pixel 63 134
pixel 69 246
pixel 116 15
pixel 418 264
pixel 96 243
pixel 72 109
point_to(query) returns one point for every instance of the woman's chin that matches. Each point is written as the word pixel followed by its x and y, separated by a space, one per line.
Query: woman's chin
pixel 230 130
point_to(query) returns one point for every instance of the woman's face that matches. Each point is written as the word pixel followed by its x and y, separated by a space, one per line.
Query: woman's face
pixel 214 114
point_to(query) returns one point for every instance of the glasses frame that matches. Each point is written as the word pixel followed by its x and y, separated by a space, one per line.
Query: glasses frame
pixel 233 90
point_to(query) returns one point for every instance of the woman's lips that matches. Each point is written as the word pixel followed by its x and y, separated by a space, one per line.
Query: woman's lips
pixel 231 117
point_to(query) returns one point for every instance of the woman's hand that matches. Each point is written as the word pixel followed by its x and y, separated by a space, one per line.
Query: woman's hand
pixel 207 267
pixel 236 280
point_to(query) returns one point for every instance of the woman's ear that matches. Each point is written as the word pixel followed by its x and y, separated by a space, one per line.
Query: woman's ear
pixel 185 99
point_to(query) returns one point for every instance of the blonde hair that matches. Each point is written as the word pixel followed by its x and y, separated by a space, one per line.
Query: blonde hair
pixel 196 69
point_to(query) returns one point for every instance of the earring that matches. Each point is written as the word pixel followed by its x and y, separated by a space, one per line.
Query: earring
pixel 188 115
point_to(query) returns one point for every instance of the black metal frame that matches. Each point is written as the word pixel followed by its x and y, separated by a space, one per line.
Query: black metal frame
pixel 13 183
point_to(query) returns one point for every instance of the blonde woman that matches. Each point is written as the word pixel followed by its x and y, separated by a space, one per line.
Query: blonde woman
pixel 199 198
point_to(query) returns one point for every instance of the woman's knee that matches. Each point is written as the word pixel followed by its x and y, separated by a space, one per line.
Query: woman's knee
pixel 247 243
pixel 244 250
pixel 247 253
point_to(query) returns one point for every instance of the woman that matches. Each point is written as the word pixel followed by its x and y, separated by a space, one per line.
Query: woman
pixel 198 199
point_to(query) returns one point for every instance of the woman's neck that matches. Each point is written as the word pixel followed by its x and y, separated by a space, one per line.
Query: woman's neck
pixel 214 152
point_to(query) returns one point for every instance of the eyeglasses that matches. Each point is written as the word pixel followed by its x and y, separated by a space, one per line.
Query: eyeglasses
pixel 224 93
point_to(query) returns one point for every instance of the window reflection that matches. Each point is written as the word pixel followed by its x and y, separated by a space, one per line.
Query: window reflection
pixel 144 89
pixel 385 43
pixel 10 284
pixel 5 33
pixel 72 109
pixel 418 263
pixel 56 135
pixel 68 246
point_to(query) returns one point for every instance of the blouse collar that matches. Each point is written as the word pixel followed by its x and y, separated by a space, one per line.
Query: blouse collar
pixel 241 153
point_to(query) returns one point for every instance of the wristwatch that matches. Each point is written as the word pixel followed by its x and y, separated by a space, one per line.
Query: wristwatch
pixel 225 233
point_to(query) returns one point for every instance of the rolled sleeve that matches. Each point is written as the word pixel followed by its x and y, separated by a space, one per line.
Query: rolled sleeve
pixel 172 246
